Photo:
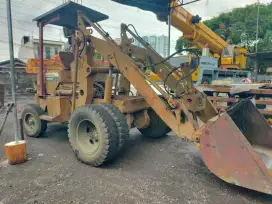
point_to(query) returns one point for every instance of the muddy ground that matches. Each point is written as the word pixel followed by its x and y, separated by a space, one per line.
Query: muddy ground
pixel 149 171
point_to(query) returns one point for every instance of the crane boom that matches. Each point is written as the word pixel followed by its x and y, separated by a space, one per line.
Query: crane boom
pixel 197 33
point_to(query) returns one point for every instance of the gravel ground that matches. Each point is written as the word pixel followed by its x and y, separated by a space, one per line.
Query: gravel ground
pixel 149 171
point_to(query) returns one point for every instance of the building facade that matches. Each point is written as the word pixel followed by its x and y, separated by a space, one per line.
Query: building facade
pixel 30 48
pixel 158 43
pixel 162 45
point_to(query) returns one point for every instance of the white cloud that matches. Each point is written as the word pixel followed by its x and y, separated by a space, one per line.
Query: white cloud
pixel 146 23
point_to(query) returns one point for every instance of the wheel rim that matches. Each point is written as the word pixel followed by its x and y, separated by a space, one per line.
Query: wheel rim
pixel 30 122
pixel 87 137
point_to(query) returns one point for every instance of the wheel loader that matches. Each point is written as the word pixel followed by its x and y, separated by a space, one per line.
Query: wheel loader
pixel 234 144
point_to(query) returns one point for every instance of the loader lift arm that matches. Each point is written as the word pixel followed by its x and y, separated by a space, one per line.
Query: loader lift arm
pixel 188 101
pixel 227 149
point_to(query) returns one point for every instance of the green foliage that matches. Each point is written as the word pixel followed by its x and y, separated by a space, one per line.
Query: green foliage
pixel 183 44
pixel 242 22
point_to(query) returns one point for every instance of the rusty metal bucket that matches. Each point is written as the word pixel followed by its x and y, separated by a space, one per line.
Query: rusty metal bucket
pixel 237 147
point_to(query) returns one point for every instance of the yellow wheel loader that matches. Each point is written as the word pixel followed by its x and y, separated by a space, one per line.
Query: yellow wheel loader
pixel 235 144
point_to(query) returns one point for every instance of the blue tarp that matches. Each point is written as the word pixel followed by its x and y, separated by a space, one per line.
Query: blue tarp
pixel 159 7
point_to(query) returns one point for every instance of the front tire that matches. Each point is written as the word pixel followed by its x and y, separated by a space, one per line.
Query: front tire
pixel 93 135
pixel 32 124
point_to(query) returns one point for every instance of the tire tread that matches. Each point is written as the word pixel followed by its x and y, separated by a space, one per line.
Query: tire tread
pixel 109 134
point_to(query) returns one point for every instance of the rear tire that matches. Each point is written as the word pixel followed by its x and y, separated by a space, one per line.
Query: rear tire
pixel 93 135
pixel 120 122
pixel 157 127
pixel 32 124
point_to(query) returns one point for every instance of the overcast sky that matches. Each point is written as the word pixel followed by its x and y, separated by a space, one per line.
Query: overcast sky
pixel 23 11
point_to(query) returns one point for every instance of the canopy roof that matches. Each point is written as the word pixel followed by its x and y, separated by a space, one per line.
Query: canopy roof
pixel 66 15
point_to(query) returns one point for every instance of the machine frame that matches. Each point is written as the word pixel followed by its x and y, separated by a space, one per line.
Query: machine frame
pixel 231 149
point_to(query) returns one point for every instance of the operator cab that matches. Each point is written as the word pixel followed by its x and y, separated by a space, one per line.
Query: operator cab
pixel 54 73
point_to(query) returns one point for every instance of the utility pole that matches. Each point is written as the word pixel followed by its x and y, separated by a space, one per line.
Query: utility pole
pixel 12 71
pixel 169 29
pixel 257 39
pixel 257 27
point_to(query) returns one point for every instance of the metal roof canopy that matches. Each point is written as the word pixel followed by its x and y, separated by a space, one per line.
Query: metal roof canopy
pixel 66 15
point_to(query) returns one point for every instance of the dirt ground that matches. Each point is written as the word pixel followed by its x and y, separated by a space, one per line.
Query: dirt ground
pixel 149 171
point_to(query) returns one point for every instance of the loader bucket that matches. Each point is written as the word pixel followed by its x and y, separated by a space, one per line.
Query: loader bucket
pixel 237 147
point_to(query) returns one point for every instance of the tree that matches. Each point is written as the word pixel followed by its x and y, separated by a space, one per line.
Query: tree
pixel 183 44
pixel 243 20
